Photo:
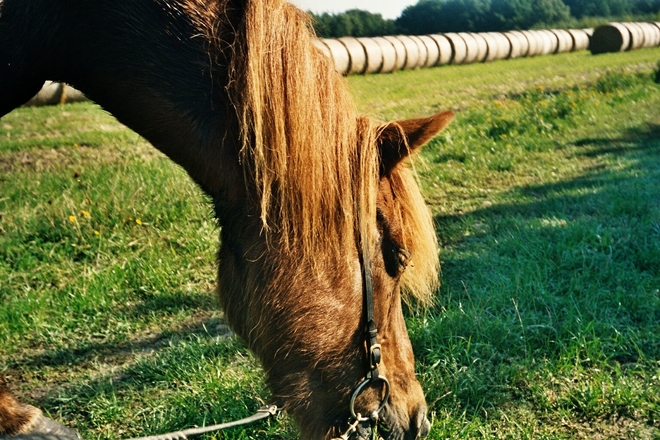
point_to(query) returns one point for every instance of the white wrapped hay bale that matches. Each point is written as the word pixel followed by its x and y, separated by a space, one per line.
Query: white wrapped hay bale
pixel 636 36
pixel 482 46
pixel 472 48
pixel 356 54
pixel 422 50
pixel 374 55
pixel 580 39
pixel 523 44
pixel 491 46
pixel 611 37
pixel 389 54
pixel 535 46
pixel 432 51
pixel 564 40
pixel 412 52
pixel 551 42
pixel 53 93
pixel 400 50
pixel 322 47
pixel 444 48
pixel 340 55
pixel 503 46
pixel 651 34
pixel 458 47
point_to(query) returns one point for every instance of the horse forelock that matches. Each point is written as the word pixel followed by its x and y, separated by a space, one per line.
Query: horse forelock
pixel 420 280
pixel 313 159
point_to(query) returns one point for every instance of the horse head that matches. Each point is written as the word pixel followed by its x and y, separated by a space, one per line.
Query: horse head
pixel 306 319
pixel 405 258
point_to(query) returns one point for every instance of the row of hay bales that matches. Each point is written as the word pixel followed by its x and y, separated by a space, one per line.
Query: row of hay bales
pixel 388 54
pixel 619 37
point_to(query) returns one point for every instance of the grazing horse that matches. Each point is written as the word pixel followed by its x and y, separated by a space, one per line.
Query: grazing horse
pixel 323 227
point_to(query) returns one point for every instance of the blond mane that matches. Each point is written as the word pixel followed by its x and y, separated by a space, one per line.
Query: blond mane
pixel 312 157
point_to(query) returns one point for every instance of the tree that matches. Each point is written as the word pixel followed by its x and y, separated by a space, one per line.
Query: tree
pixel 355 23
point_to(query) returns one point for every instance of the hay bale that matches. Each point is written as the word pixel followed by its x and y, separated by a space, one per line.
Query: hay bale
pixel 412 52
pixel 564 40
pixel 432 50
pixel 514 43
pixel 389 55
pixel 611 37
pixel 588 31
pixel 401 53
pixel 356 53
pixel 374 55
pixel 503 46
pixel 50 94
pixel 535 45
pixel 340 55
pixel 472 48
pixel 458 47
pixel 69 95
pixel 651 34
pixel 580 39
pixel 491 46
pixel 482 47
pixel 522 43
pixel 444 47
pixel 656 24
pixel 320 45
pixel 551 44
pixel 423 51
pixel 636 36
pixel 53 93
pixel 656 29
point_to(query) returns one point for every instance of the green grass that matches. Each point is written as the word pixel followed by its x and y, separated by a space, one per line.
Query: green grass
pixel 546 195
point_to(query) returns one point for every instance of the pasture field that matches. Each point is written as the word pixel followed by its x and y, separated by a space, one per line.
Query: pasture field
pixel 546 195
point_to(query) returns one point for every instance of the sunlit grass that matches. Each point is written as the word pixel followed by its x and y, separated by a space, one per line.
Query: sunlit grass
pixel 546 195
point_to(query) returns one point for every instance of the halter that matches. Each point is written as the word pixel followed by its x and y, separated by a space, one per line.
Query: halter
pixel 358 423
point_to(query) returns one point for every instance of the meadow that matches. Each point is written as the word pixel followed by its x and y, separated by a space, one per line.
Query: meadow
pixel 546 196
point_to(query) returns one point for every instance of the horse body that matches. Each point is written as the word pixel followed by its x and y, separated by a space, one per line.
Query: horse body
pixel 235 93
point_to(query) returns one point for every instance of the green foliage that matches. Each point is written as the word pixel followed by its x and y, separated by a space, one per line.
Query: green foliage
pixel 354 22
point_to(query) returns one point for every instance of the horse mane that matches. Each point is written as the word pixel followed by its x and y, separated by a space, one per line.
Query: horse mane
pixel 313 159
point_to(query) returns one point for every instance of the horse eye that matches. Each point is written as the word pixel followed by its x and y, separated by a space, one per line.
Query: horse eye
pixel 403 258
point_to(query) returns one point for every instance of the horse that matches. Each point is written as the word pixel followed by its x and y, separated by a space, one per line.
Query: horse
pixel 323 229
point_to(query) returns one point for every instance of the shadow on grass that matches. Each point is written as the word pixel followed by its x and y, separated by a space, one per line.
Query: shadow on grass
pixel 204 322
pixel 560 276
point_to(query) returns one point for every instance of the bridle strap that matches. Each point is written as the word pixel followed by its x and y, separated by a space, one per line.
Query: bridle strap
pixel 373 348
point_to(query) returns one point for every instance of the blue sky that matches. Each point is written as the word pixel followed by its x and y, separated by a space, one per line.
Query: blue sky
pixel 388 8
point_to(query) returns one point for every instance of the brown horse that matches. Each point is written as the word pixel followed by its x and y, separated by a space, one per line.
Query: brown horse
pixel 235 92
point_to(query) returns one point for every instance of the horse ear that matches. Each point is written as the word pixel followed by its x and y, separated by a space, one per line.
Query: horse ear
pixel 397 140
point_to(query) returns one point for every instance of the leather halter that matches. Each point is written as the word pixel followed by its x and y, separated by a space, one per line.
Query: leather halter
pixel 374 354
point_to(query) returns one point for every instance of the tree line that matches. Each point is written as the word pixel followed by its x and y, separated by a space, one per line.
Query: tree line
pixel 433 16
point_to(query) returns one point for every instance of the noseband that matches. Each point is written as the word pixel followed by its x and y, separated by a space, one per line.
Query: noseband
pixel 358 424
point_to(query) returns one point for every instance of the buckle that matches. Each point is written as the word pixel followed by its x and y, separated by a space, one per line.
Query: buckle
pixel 374 356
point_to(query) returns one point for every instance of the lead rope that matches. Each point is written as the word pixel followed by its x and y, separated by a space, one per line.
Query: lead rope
pixel 262 413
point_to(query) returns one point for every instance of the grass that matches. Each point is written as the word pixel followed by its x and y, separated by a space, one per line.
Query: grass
pixel 546 195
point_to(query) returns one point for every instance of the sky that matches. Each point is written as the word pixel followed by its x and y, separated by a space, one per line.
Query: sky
pixel 387 8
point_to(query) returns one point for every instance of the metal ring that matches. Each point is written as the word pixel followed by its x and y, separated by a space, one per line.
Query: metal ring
pixel 359 390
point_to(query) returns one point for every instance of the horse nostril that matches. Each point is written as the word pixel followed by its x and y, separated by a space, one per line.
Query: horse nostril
pixel 421 425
